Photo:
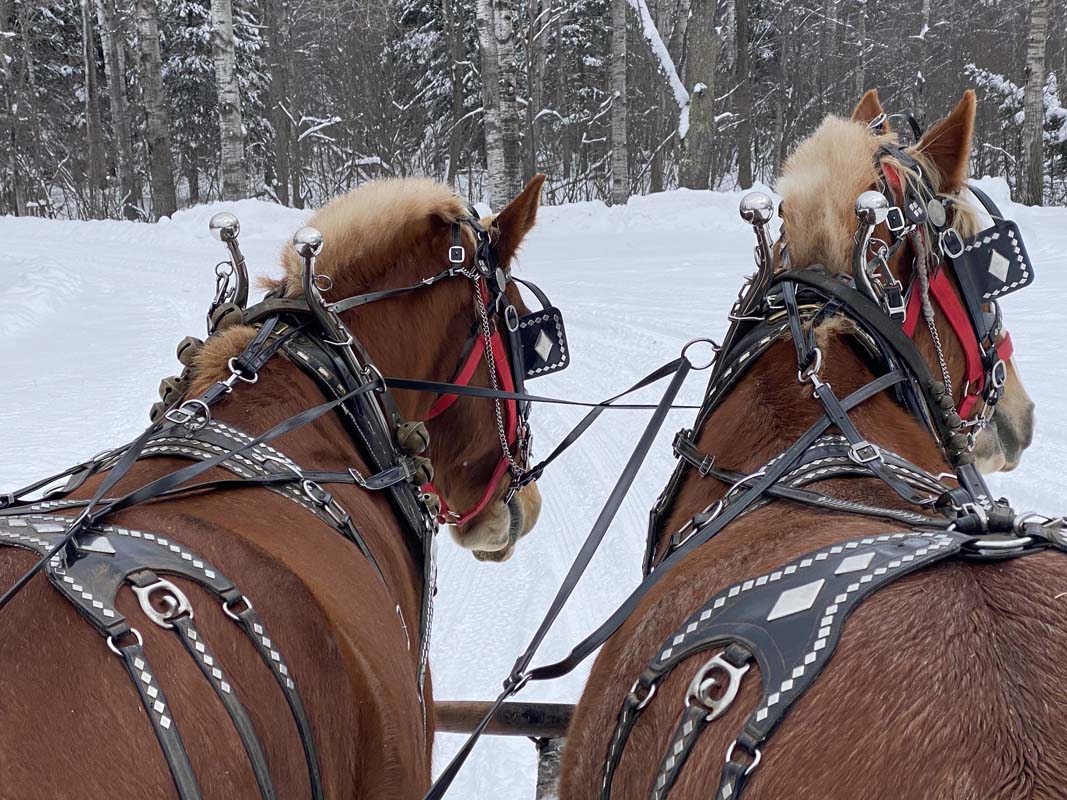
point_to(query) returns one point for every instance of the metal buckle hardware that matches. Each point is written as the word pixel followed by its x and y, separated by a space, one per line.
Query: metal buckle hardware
pixel 864 452
pixel 515 682
pixel 456 254
pixel 700 688
pixel 644 701
pixel 755 757
pixel 174 600
pixel 998 374
pixel 896 310
pixel 895 219
pixel 951 243
pixel 682 436
pixel 187 412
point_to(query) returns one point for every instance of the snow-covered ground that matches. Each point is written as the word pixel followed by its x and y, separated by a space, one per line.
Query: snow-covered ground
pixel 90 314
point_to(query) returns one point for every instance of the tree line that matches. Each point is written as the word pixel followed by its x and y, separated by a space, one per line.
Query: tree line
pixel 136 108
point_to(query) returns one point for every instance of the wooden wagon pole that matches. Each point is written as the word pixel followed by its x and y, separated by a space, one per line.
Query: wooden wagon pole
pixel 545 723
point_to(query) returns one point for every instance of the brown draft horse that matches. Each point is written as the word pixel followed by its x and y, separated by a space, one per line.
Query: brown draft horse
pixel 71 724
pixel 950 683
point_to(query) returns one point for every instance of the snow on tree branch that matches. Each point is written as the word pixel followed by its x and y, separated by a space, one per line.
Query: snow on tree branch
pixel 666 63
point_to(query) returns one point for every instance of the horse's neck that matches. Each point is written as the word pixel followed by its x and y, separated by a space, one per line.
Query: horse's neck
pixel 770 409
pixel 284 390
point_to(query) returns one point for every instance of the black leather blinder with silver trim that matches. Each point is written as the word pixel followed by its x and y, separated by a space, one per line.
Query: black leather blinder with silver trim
pixel 539 338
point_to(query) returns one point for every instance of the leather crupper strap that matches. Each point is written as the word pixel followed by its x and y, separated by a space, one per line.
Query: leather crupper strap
pixel 106 557
pixel 787 621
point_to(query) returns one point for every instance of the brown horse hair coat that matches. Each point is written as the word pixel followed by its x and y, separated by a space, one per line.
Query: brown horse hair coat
pixel 950 683
pixel 71 724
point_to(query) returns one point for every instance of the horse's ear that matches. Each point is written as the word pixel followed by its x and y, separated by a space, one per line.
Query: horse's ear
pixel 948 144
pixel 868 108
pixel 513 223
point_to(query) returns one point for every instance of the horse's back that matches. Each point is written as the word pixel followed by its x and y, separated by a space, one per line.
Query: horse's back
pixel 73 725
pixel 951 682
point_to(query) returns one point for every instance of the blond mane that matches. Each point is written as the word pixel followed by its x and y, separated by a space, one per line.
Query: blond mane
pixel 822 179
pixel 360 227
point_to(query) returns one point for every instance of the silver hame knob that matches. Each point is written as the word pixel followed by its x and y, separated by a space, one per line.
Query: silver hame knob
pixel 871 207
pixel 308 241
pixel 756 208
pixel 224 226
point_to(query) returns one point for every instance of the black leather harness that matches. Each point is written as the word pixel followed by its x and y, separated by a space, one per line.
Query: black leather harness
pixel 789 621
pixel 88 559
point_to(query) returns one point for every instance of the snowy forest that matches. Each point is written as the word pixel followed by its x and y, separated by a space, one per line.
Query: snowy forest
pixel 136 108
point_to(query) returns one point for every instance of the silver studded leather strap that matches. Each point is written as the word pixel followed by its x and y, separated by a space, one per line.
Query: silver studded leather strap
pixel 159 713
pixel 193 641
pixel 253 626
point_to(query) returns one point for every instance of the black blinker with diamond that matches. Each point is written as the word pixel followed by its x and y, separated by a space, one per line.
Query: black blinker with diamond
pixel 543 342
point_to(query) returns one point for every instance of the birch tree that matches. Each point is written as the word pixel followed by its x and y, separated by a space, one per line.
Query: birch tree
pixel 499 77
pixel 1033 126
pixel 157 120
pixel 234 178
pixel 620 143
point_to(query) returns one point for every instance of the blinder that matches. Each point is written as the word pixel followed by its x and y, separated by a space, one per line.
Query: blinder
pixel 987 266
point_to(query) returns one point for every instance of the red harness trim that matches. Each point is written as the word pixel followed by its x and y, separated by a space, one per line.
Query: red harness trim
pixel 948 301
pixel 511 417
pixel 942 291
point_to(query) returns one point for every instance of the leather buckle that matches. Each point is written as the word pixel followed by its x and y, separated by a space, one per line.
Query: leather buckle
pixel 864 452
pixel 706 465
pixel 951 243
pixel 895 304
pixel 682 436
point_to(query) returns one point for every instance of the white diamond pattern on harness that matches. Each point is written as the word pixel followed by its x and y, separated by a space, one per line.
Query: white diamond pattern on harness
pixel 995 262
pixel 543 343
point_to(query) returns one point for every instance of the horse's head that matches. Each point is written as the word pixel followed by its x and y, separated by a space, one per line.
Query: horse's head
pixel 820 185
pixel 396 233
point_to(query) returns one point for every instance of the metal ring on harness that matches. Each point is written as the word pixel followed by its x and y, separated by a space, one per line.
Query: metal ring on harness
pixel 715 348
pixel 231 614
pixel 647 698
pixel 755 757
pixel 236 372
pixel 111 642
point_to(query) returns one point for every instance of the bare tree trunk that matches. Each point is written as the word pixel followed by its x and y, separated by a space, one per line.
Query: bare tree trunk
pixel 510 125
pixel 113 39
pixel 97 197
pixel 234 177
pixel 535 72
pixel 9 133
pixel 860 76
pixel 1034 104
pixel 453 12
pixel 498 86
pixel 620 145
pixel 920 76
pixel 161 162
pixel 827 35
pixel 276 18
pixel 743 95
pixel 701 63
